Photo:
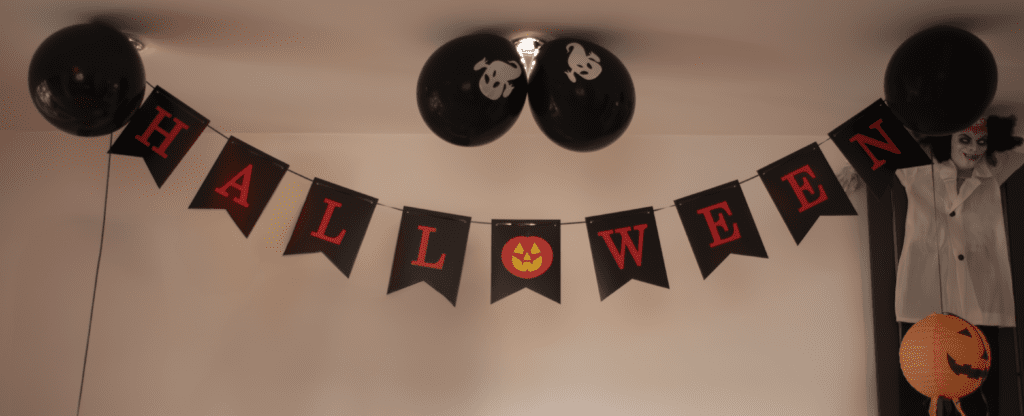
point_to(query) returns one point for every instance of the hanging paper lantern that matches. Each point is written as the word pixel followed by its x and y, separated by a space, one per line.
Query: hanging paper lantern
pixel 580 94
pixel 472 89
pixel 945 356
pixel 87 79
pixel 940 80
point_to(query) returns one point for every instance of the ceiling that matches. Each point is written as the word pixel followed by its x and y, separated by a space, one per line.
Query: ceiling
pixel 700 67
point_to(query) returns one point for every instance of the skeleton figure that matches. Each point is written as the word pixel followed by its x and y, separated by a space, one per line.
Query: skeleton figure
pixel 581 63
pixel 496 79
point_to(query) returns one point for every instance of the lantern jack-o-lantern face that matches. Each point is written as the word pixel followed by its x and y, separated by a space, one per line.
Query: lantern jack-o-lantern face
pixel 527 257
pixel 945 356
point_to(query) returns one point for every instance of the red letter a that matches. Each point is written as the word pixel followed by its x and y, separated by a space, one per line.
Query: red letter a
pixel 421 259
pixel 154 126
pixel 620 254
pixel 243 188
pixel 331 205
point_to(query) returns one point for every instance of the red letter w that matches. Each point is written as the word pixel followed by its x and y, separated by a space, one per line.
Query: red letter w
pixel 620 254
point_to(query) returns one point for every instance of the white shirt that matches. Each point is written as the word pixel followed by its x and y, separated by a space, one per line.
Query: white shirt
pixel 963 235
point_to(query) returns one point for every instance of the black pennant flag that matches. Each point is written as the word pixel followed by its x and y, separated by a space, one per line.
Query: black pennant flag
pixel 241 181
pixel 876 144
pixel 718 223
pixel 625 246
pixel 431 248
pixel 333 221
pixel 804 187
pixel 161 132
pixel 526 254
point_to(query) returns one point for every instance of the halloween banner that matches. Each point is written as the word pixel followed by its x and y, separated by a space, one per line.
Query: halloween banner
pixel 161 132
pixel 804 187
pixel 718 223
pixel 431 245
pixel 526 254
pixel 431 248
pixel 625 246
pixel 241 181
pixel 333 221
pixel 876 144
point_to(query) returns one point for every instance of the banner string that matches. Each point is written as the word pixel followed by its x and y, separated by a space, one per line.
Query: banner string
pixel 96 280
pixel 474 222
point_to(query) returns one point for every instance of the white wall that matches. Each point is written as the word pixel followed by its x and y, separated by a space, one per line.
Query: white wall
pixel 193 318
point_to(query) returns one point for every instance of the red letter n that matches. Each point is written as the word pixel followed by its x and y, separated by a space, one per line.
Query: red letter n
pixel 168 136
pixel 864 141
pixel 620 254
pixel 714 225
pixel 331 205
pixel 805 187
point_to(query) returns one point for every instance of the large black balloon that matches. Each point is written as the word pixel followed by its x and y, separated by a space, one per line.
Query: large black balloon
pixel 580 94
pixel 472 89
pixel 940 80
pixel 87 79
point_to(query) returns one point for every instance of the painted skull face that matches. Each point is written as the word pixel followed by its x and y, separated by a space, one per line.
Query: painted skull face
pixel 969 145
pixel 496 79
pixel 586 65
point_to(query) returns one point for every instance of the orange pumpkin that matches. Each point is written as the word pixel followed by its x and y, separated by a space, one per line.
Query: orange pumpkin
pixel 945 356
pixel 527 257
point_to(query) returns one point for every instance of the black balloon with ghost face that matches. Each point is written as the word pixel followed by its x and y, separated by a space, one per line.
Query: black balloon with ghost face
pixel 940 80
pixel 472 89
pixel 580 94
pixel 87 79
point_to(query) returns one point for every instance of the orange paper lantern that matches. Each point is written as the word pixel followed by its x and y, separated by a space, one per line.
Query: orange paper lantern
pixel 945 356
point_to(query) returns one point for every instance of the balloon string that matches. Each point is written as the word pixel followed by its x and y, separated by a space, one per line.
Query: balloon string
pixel 96 279
pixel 474 222
pixel 938 258
pixel 956 403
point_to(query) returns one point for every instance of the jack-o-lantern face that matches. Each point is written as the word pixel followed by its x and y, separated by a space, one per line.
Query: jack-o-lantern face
pixel 527 257
pixel 945 356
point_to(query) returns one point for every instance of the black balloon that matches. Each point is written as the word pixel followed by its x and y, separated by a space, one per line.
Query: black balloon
pixel 940 80
pixel 472 89
pixel 580 94
pixel 87 79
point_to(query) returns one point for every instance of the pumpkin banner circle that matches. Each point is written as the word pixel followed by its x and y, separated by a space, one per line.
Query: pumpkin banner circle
pixel 527 257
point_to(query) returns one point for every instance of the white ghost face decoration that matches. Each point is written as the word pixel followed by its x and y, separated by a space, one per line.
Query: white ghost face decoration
pixel 587 66
pixel 968 146
pixel 496 80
